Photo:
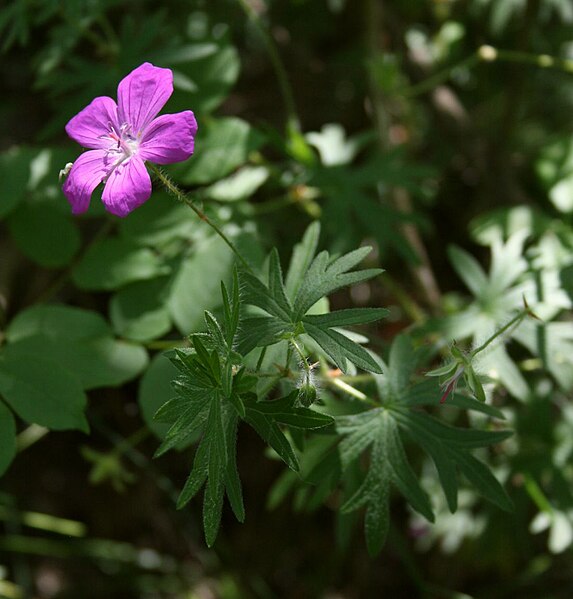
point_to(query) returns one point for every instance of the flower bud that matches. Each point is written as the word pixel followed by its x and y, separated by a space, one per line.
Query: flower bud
pixel 307 394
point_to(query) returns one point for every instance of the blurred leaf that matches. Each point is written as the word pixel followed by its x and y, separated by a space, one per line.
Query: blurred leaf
pixel 154 390
pixel 111 263
pixel 240 185
pixel 15 175
pixel 39 390
pixel 159 222
pixel 553 343
pixel 468 269
pixel 139 311
pixel 333 146
pixel 44 234
pixel 196 285
pixel 79 341
pixel 504 222
pixel 203 72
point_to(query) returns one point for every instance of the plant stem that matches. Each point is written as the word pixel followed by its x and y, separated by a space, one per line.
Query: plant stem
pixel 513 322
pixel 305 364
pixel 30 435
pixel 280 71
pixel 182 197
pixel 489 54
pixel 349 389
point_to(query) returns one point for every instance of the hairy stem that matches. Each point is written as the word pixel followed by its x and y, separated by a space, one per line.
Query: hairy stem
pixel 513 322
pixel 184 198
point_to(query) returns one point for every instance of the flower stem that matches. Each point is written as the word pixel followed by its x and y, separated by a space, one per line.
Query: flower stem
pixel 305 364
pixel 182 197
pixel 513 322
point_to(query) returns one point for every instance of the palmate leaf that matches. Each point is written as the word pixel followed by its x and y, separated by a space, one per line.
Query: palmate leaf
pixel 449 447
pixel 378 432
pixel 266 416
pixel 214 392
pixel 389 466
pixel 309 280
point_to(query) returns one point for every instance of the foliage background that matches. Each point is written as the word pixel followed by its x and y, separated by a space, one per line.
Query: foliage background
pixel 453 160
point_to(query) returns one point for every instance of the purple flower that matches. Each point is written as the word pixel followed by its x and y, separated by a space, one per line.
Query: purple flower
pixel 122 136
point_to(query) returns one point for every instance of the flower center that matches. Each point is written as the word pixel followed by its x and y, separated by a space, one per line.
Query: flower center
pixel 122 143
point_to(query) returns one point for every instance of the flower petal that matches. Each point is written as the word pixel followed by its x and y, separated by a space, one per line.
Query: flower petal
pixel 95 121
pixel 86 174
pixel 169 138
pixel 128 186
pixel 142 94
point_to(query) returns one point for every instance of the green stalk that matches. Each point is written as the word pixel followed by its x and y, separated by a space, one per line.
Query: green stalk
pixel 489 54
pixel 182 197
pixel 513 322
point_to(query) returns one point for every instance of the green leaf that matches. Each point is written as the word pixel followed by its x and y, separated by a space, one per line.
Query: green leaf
pixel 485 482
pixel 388 465
pixel 284 411
pixel 402 474
pixel 159 222
pixel 216 333
pixel 215 489
pixel 325 276
pixel 339 347
pixel 301 259
pixel 203 72
pixel 201 407
pixel 188 412
pixel 44 234
pixel 267 427
pixel 468 269
pixel 232 480
pixel 15 175
pixel 214 464
pixel 427 393
pixel 259 331
pixel 401 364
pixel 193 291
pixel 154 390
pixel 238 186
pixel 80 341
pixel 138 311
pixel 7 436
pixel 39 390
pixel 276 285
pixel 112 263
pixel 347 317
pixel 449 447
pixel 258 294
